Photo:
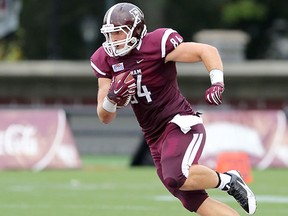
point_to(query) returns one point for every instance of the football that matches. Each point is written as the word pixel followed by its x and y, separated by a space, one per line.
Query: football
pixel 123 78
pixel 122 88
pixel 124 101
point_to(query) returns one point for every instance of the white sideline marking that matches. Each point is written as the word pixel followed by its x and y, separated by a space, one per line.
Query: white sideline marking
pixel 259 198
pixel 99 207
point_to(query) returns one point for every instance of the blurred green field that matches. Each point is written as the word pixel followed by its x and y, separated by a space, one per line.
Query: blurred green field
pixel 108 186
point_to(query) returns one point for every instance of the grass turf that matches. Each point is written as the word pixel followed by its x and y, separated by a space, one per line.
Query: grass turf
pixel 107 186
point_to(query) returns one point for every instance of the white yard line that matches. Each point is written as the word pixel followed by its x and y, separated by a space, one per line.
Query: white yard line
pixel 99 207
pixel 259 198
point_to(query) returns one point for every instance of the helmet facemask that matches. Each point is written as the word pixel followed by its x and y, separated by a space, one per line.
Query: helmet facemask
pixel 127 44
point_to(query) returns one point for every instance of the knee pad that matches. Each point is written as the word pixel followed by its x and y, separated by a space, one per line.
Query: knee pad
pixel 172 183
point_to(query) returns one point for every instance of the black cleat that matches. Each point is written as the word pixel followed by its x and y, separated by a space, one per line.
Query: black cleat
pixel 241 192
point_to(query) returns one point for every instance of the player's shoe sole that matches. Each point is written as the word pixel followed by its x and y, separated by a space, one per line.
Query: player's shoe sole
pixel 241 192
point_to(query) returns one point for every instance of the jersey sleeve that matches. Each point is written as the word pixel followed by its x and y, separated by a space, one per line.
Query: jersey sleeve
pixel 100 64
pixel 170 40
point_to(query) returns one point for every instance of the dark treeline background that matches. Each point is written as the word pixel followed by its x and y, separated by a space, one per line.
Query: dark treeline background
pixel 69 29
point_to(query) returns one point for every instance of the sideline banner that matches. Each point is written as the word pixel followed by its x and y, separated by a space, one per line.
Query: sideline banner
pixel 36 139
pixel 263 135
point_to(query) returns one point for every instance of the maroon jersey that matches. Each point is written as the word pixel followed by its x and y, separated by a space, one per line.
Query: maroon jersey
pixel 158 98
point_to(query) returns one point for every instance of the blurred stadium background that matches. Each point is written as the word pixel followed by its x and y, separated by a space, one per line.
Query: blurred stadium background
pixel 46 83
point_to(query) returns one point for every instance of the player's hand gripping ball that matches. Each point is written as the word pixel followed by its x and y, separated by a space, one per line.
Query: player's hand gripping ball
pixel 122 88
pixel 213 94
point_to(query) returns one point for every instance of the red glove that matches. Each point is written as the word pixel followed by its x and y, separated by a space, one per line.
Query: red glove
pixel 122 87
pixel 213 94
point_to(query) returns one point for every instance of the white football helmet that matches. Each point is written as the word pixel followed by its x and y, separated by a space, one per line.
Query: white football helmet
pixel 127 18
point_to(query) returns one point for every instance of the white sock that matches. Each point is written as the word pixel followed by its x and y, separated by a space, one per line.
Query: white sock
pixel 224 179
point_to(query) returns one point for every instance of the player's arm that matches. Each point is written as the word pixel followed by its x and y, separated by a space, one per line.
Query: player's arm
pixel 198 52
pixel 104 115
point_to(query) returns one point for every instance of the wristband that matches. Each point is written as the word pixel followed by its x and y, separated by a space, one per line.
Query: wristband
pixel 216 76
pixel 109 106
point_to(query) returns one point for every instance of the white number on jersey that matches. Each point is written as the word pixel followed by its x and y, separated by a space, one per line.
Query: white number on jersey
pixel 142 91
pixel 176 41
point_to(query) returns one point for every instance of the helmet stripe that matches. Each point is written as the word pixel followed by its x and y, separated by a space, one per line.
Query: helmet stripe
pixel 110 13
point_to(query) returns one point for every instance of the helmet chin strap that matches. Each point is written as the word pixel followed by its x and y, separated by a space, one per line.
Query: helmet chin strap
pixel 133 40
pixel 125 50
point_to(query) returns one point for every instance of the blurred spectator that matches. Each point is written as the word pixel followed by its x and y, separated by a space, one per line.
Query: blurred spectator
pixel 9 23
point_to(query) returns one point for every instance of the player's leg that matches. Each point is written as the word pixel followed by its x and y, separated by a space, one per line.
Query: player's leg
pixel 170 169
pixel 201 177
pixel 213 207
pixel 184 150
pixel 169 157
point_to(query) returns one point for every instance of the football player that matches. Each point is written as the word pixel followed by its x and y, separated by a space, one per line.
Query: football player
pixel 139 67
